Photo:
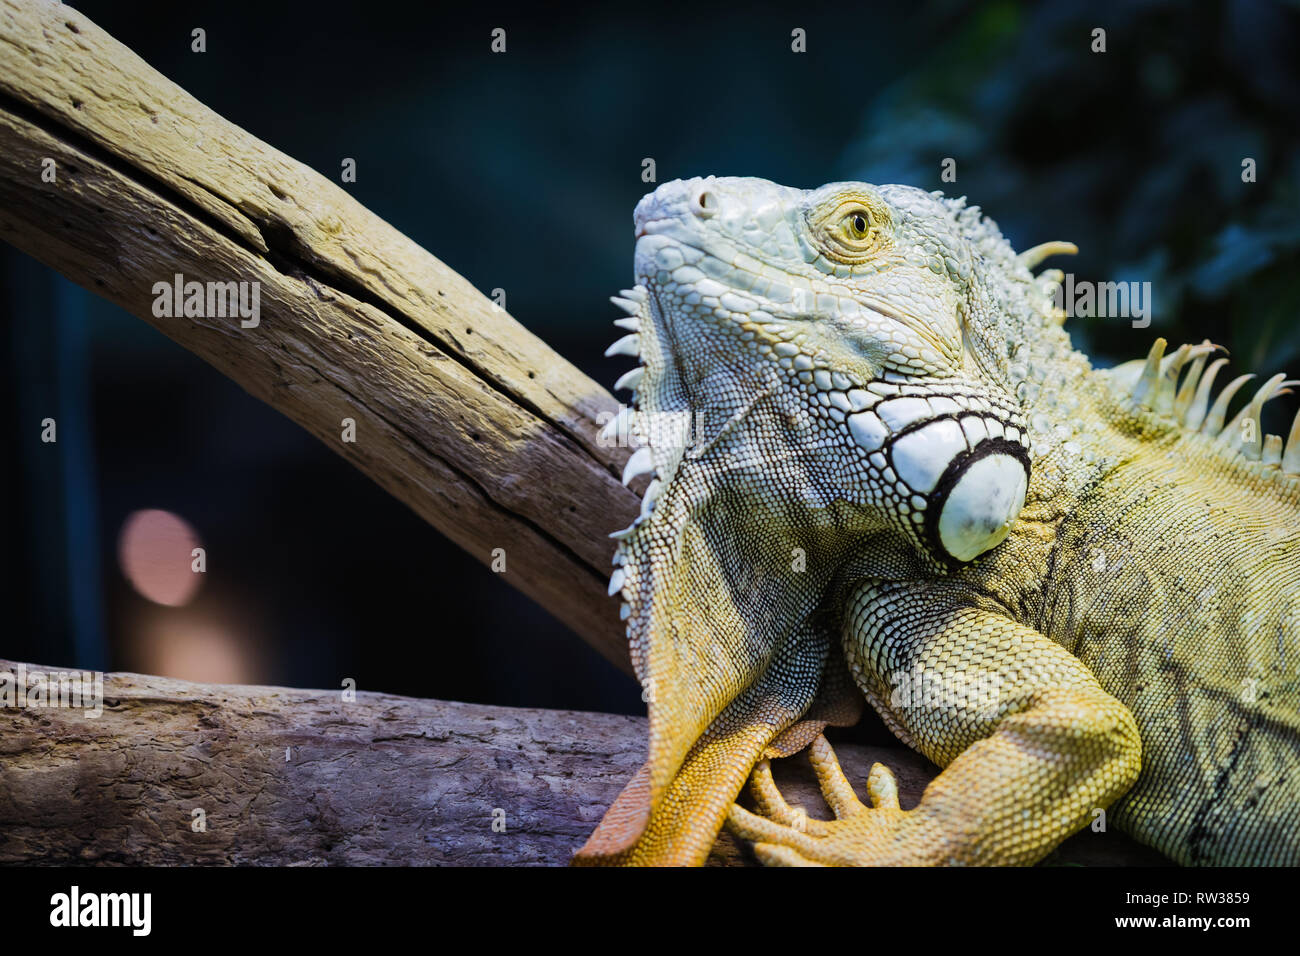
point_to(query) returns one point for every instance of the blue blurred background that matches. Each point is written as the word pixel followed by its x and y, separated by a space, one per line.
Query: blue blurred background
pixel 521 171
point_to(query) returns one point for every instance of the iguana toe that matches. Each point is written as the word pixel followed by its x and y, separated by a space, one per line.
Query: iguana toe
pixel 773 805
pixel 782 835
pixel 771 854
pixel 836 789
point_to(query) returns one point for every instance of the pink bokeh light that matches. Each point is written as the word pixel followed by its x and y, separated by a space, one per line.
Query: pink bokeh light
pixel 155 550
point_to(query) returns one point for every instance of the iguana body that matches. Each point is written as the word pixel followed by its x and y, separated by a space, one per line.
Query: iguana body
pixel 881 471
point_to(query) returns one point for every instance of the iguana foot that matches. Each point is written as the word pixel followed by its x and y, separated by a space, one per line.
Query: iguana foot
pixel 881 834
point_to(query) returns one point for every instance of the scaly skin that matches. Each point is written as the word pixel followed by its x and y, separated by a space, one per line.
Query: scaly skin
pixel 881 472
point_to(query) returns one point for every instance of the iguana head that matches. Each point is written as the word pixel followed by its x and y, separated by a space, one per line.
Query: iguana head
pixel 823 375
pixel 852 312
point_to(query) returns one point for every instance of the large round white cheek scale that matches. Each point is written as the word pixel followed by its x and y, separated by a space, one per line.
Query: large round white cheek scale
pixel 982 506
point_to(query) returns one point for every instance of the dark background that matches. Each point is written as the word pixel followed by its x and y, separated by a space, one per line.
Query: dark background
pixel 521 171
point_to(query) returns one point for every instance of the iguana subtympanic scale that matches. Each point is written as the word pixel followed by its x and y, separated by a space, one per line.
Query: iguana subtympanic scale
pixel 880 471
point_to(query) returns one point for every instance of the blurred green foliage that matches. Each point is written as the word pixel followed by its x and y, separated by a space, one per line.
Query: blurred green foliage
pixel 1135 154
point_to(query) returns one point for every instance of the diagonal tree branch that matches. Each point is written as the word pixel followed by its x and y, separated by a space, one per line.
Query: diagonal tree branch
pixel 459 411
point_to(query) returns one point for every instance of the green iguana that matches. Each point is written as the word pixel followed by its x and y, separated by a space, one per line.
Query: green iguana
pixel 881 471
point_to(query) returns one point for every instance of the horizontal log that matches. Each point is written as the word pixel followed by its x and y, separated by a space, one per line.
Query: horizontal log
pixel 307 777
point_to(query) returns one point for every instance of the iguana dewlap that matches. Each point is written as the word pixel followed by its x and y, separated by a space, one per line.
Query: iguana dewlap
pixel 879 470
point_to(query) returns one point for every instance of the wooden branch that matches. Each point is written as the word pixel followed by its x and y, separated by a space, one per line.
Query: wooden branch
pixel 288 777
pixel 460 412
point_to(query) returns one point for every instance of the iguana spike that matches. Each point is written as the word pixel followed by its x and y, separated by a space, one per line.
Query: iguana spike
pixel 1175 359
pixel 627 305
pixel 626 532
pixel 1187 390
pixel 641 463
pixel 1172 367
pixel 631 378
pixel 1233 435
pixel 616 581
pixel 1045 250
pixel 1291 457
pixel 1272 456
pixel 627 345
pixel 636 294
pixel 631 323
pixel 651 496
pixel 1146 385
pixel 1196 411
pixel 1214 421
pixel 1167 385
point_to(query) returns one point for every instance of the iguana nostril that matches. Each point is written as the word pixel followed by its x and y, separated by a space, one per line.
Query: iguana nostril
pixel 706 204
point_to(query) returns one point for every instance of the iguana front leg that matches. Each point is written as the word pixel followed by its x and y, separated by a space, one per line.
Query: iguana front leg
pixel 1030 743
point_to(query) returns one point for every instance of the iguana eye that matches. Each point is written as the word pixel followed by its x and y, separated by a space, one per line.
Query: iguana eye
pixel 849 229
